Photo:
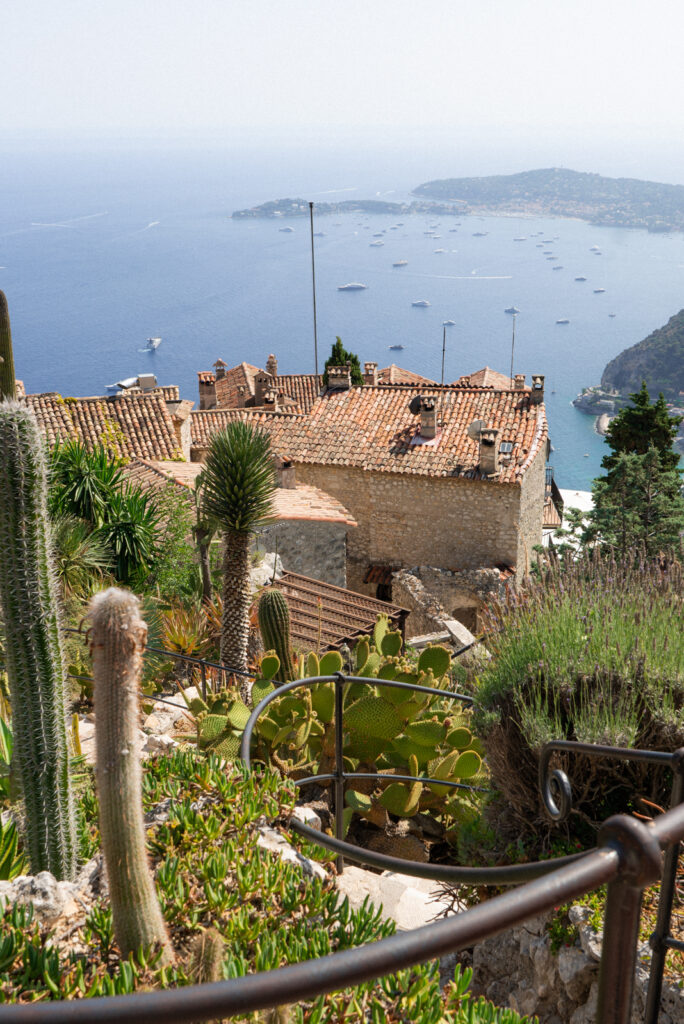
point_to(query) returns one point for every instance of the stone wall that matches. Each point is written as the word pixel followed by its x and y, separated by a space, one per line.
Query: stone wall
pixel 405 520
pixel 518 969
pixel 433 595
pixel 308 547
pixel 533 490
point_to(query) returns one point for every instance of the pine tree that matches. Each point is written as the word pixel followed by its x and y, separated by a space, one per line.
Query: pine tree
pixel 340 357
pixel 640 426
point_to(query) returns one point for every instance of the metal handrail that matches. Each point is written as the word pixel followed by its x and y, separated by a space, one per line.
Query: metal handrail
pixel 627 860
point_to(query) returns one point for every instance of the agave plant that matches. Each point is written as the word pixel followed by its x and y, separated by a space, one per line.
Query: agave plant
pixel 83 481
pixel 130 530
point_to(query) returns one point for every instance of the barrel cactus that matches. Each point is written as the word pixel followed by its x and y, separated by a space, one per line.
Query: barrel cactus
pixel 117 639
pixel 274 623
pixel 35 660
pixel 7 381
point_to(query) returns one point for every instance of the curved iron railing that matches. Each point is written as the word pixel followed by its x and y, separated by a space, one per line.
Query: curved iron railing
pixel 627 860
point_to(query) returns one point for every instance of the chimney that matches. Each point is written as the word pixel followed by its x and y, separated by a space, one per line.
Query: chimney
pixel 285 474
pixel 489 451
pixel 241 396
pixel 537 395
pixel 370 373
pixel 428 418
pixel 519 381
pixel 263 382
pixel 339 378
pixel 207 389
pixel 220 368
pixel 272 365
pixel 271 400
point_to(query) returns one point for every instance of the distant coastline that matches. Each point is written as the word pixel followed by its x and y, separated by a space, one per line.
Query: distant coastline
pixel 554 192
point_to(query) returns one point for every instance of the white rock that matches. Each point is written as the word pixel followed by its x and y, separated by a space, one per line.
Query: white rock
pixel 272 841
pixel 403 899
pixel 591 941
pixel 577 971
pixel 307 816
pixel 51 899
pixel 159 744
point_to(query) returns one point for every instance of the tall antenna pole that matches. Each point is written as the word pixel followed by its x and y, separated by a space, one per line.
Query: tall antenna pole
pixel 441 396
pixel 313 282
pixel 512 349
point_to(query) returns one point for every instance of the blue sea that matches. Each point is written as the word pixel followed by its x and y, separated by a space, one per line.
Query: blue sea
pixel 103 245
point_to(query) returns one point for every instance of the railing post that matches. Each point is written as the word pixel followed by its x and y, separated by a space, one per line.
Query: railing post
pixel 640 865
pixel 203 672
pixel 339 767
pixel 658 940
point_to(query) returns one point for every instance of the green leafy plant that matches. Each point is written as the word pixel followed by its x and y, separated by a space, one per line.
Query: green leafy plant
pixel 592 651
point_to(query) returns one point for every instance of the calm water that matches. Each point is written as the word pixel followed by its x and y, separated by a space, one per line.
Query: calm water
pixel 99 251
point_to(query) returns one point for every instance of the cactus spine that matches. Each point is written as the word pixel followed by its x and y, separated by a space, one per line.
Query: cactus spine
pixel 274 623
pixel 35 661
pixel 7 381
pixel 118 636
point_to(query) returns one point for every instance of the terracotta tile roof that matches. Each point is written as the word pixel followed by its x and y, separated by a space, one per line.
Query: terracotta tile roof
pixel 372 428
pixel 169 392
pixel 551 517
pixel 310 503
pixel 303 388
pixel 300 502
pixel 227 386
pixel 394 374
pixel 486 378
pixel 341 615
pixel 134 425
pixel 205 422
pixel 206 376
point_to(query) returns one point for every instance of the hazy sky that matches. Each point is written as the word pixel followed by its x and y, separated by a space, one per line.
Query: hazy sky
pixel 143 65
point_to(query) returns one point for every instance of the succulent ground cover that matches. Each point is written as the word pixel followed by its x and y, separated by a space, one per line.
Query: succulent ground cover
pixel 210 873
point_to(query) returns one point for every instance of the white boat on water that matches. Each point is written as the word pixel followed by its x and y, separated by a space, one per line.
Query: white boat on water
pixel 420 302
pixel 564 320
pixel 512 310
pixel 353 286
pixel 152 343
pixel 449 323
pixel 373 244
pixel 400 263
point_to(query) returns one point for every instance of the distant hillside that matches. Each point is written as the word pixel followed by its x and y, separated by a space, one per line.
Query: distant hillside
pixel 622 202
pixel 658 359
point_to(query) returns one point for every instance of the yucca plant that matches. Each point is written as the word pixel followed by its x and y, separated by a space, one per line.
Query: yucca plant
pixel 80 557
pixel 237 492
pixel 130 531
pixel 82 481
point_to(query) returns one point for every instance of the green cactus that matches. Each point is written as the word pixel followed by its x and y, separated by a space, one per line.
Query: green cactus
pixel 207 953
pixel 274 623
pixel 35 661
pixel 8 387
pixel 117 640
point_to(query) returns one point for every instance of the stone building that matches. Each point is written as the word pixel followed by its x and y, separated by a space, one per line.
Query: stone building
pixel 449 479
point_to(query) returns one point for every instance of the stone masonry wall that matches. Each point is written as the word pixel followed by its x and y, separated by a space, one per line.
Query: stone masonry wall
pixel 406 520
pixel 531 512
pixel 308 547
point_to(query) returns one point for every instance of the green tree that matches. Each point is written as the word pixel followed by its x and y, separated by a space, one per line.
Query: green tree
pixel 638 504
pixel 340 357
pixel 237 492
pixel 640 426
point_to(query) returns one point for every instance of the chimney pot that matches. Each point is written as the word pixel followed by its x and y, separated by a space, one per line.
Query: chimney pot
pixel 339 378
pixel 489 451
pixel 263 382
pixel 537 394
pixel 220 368
pixel 519 381
pixel 370 373
pixel 272 365
pixel 428 417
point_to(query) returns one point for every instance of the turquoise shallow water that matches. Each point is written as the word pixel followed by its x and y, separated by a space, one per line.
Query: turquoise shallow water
pixel 99 251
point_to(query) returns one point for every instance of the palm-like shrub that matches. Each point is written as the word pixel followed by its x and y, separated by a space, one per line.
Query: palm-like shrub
pixel 80 557
pixel 83 481
pixel 237 492
pixel 130 531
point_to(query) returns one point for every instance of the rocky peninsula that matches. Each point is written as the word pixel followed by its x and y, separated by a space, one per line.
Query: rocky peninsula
pixel 300 208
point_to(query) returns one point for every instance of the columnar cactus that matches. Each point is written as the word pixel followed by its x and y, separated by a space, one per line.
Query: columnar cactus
pixel 117 638
pixel 274 623
pixel 35 662
pixel 7 381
